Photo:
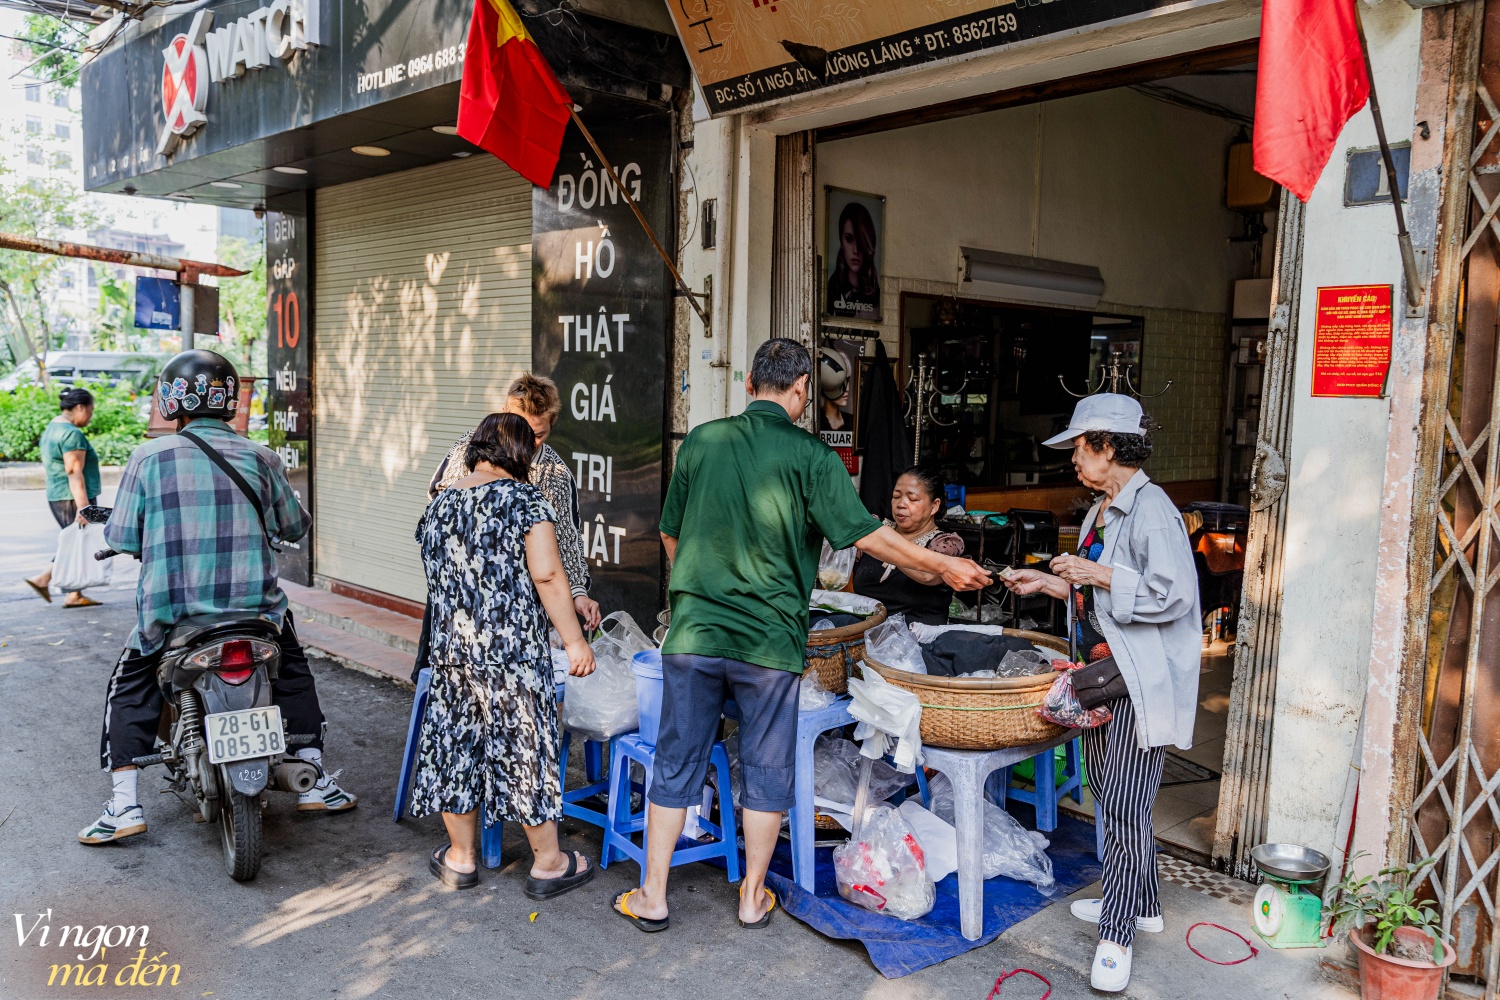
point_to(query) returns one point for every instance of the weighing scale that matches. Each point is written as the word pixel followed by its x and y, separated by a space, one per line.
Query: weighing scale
pixel 1288 912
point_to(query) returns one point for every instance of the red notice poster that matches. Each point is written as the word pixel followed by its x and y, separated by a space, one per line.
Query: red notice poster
pixel 1352 341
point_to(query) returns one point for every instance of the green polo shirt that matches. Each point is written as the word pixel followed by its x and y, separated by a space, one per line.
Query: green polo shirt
pixel 58 438
pixel 751 499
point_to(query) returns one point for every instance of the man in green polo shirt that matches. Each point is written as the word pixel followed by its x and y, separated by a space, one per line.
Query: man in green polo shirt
pixel 751 500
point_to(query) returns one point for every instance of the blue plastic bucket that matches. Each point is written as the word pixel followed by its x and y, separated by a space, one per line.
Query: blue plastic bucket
pixel 648 686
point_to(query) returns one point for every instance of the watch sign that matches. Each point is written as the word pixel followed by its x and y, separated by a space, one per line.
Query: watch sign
pixel 199 56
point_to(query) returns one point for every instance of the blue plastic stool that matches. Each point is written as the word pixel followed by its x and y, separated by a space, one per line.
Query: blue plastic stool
pixel 624 822
pixel 810 725
pixel 1047 792
pixel 594 774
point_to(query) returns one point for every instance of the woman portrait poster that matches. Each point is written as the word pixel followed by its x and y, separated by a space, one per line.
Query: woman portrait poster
pixel 854 233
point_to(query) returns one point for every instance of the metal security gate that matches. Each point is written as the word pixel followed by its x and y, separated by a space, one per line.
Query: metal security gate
pixel 1452 669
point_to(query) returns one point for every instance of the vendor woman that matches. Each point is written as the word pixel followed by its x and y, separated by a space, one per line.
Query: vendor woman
pixel 915 504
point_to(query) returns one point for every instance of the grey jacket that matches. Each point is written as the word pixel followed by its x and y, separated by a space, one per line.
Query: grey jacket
pixel 1149 615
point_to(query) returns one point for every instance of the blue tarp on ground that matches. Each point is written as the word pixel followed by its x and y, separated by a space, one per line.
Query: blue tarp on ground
pixel 900 947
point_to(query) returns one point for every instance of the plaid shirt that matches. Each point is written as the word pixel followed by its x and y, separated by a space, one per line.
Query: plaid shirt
pixel 201 546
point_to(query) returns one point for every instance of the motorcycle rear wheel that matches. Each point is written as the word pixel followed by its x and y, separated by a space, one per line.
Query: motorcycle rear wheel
pixel 239 831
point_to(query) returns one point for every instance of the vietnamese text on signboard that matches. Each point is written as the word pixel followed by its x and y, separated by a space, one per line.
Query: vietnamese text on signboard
pixel 1352 341
pixel 600 308
pixel 751 52
pixel 289 361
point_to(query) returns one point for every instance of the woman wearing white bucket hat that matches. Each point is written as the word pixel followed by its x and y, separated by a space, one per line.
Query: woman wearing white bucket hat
pixel 1132 593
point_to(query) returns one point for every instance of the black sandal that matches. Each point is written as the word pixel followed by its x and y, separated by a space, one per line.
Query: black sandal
pixel 550 888
pixel 438 865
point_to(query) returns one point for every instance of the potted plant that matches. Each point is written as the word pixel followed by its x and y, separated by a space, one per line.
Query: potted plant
pixel 1402 950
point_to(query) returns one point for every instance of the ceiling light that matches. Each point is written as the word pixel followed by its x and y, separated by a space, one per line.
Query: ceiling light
pixel 179 194
pixel 370 150
pixel 462 153
pixel 289 170
pixel 225 184
pixel 446 129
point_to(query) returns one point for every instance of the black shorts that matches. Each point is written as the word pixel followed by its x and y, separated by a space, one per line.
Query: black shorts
pixel 65 512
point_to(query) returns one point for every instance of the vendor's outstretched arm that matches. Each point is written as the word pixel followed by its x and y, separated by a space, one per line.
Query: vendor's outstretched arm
pixel 922 565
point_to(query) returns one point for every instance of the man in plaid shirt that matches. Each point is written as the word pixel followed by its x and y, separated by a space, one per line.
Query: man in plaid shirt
pixel 203 550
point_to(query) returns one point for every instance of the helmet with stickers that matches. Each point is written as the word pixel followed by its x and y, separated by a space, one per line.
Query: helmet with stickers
pixel 198 384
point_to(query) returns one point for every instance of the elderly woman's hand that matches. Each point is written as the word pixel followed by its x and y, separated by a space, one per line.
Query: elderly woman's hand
pixel 580 658
pixel 1081 572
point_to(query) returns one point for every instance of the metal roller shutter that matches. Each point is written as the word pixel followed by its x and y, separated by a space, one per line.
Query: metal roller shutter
pixel 422 318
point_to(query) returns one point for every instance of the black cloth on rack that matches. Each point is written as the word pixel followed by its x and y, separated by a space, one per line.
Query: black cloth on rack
pixel 882 430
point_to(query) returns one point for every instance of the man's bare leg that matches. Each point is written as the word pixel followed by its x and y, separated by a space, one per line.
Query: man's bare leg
pixel 761 831
pixel 663 827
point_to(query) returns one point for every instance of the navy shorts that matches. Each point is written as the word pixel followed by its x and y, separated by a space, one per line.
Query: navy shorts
pixel 695 689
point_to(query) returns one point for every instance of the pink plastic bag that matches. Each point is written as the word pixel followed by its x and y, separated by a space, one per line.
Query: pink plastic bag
pixel 1061 706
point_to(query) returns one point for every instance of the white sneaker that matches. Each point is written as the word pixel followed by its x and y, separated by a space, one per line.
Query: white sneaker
pixel 326 795
pixel 110 828
pixel 1111 972
pixel 1093 909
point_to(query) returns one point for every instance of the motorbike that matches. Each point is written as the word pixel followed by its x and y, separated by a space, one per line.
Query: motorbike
pixel 221 739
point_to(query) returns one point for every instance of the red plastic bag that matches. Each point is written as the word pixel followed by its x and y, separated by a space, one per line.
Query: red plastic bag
pixel 1061 706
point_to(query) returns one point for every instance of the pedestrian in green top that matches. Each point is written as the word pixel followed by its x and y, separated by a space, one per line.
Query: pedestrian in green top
pixel 751 500
pixel 72 471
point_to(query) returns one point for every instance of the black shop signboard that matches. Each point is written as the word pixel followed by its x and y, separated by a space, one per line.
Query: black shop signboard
pixel 289 362
pixel 600 308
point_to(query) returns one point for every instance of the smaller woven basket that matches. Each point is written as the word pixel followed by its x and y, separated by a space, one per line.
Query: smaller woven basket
pixel 985 713
pixel 833 652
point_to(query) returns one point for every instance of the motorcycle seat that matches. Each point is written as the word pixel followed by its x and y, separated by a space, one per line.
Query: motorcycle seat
pixel 198 629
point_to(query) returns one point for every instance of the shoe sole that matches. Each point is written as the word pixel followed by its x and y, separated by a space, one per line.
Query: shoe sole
pixel 1108 989
pixel 307 807
pixel 1140 922
pixel 120 834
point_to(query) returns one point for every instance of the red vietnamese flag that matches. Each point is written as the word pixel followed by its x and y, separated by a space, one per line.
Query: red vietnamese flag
pixel 510 103
pixel 1311 81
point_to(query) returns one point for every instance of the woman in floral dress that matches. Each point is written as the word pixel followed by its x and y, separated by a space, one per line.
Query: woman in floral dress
pixel 489 739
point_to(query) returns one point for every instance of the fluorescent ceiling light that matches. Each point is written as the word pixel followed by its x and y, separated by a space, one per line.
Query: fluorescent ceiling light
pixel 370 150
pixel 225 184
pixel 289 170
pixel 989 274
pixel 462 153
pixel 446 129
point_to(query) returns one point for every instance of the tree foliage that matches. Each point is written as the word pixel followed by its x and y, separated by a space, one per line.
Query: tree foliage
pixel 118 427
pixel 56 46
pixel 242 303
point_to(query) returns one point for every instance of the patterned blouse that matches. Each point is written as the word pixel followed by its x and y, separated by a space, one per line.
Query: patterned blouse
pixel 549 473
pixel 485 609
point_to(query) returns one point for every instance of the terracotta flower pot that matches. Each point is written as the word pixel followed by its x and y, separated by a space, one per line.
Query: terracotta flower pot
pixel 1386 977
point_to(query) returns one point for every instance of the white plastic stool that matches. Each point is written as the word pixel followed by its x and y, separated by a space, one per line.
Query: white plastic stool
pixel 967 771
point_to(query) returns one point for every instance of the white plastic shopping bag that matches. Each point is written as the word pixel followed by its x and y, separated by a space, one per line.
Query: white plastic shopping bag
pixel 887 715
pixel 603 704
pixel 75 567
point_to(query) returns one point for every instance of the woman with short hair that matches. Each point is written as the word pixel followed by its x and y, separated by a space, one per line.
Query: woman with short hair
pixel 488 747
pixel 1132 592
pixel 72 470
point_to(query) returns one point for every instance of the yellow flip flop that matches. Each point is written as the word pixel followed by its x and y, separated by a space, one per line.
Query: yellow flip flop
pixel 764 921
pixel 646 924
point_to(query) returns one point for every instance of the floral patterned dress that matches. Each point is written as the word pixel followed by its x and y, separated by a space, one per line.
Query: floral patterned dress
pixel 490 734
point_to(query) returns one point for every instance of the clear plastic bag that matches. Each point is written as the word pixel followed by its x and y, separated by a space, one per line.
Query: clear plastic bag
pixel 1060 705
pixel 1009 848
pixel 1023 663
pixel 812 694
pixel 836 769
pixel 883 867
pixel 835 566
pixel 75 567
pixel 892 645
pixel 604 704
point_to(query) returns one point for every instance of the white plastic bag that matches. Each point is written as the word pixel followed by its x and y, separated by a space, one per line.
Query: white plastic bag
pixel 812 695
pixel 603 704
pixel 937 837
pixel 835 566
pixel 75 567
pixel 1009 849
pixel 891 645
pixel 887 715
pixel 884 868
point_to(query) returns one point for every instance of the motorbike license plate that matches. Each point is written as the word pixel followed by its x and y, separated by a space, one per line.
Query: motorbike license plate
pixel 253 732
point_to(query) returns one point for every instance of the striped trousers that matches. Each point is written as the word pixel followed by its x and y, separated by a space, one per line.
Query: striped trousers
pixel 1124 780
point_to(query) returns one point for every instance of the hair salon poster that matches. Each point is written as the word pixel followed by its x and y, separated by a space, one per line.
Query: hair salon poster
pixel 855 236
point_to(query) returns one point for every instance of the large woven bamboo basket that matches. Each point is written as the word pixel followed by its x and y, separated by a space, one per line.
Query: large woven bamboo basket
pixel 984 713
pixel 833 652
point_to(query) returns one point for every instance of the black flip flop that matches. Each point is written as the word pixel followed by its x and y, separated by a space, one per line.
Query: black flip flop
pixel 765 921
pixel 645 924
pixel 437 864
pixel 550 888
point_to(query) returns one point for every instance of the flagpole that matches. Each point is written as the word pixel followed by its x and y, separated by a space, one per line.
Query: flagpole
pixel 1408 255
pixel 620 186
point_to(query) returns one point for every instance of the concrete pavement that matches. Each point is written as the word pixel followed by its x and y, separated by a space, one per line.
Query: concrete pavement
pixel 344 906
